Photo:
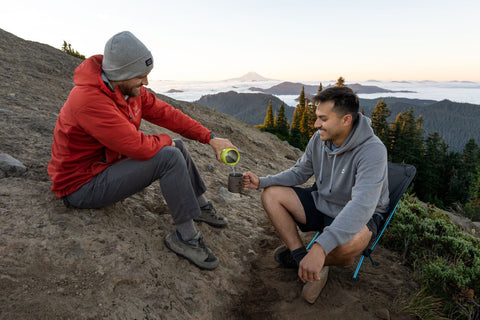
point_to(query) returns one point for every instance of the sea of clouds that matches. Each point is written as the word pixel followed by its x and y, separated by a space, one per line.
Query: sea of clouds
pixel 458 91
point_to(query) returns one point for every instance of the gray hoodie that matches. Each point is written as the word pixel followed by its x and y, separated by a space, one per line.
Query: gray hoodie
pixel 352 181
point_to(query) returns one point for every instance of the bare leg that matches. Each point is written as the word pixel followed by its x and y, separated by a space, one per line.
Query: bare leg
pixel 345 255
pixel 283 208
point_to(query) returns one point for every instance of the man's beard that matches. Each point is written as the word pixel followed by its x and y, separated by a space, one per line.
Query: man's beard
pixel 130 91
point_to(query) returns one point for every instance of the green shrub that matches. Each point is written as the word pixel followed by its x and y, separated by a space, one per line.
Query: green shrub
pixel 446 260
pixel 472 210
pixel 67 47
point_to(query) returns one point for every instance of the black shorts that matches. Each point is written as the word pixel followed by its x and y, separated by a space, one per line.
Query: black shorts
pixel 317 220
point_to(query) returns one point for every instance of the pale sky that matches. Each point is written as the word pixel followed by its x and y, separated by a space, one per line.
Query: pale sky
pixel 289 40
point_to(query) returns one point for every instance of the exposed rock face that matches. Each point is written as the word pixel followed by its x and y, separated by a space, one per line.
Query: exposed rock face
pixel 111 263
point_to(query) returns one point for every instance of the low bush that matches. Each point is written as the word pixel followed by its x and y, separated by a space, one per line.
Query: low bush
pixel 445 259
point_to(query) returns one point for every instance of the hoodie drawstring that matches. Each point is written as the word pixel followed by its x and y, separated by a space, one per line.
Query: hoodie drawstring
pixel 331 174
pixel 321 164
pixel 320 176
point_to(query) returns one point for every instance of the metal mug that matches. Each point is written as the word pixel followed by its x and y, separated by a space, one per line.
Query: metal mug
pixel 235 182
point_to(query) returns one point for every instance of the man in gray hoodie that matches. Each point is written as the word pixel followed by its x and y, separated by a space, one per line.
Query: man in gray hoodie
pixel 346 202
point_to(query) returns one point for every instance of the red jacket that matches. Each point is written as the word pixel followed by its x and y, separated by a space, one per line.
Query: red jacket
pixel 97 128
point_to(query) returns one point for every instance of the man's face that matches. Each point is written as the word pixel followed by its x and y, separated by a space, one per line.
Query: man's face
pixel 131 87
pixel 330 125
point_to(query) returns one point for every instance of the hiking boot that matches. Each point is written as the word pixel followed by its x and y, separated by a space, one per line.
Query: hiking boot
pixel 283 256
pixel 194 250
pixel 311 290
pixel 208 214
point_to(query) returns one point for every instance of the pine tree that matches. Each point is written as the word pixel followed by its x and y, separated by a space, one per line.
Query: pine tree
pixel 301 98
pixel 268 124
pixel 340 82
pixel 429 179
pixel 281 127
pixel 470 162
pixel 472 208
pixel 320 88
pixel 304 122
pixel 379 122
pixel 407 138
pixel 311 118
pixel 295 138
pixel 475 188
pixel 453 188
pixel 471 156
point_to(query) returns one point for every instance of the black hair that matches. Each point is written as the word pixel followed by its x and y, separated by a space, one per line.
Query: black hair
pixel 344 99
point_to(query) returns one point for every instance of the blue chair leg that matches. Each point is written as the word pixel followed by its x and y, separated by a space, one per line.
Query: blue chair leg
pixel 358 267
pixel 313 240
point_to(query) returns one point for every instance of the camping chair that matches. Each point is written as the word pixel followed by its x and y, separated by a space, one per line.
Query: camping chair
pixel 399 178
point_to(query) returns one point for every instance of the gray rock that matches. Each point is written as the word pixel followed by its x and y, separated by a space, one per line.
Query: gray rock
pixel 11 166
pixel 8 112
pixel 210 167
pixel 383 314
pixel 272 166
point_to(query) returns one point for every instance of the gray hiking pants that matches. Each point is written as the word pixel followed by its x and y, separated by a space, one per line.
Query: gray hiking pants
pixel 179 178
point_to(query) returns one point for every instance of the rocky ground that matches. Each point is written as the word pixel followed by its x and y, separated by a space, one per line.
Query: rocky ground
pixel 111 263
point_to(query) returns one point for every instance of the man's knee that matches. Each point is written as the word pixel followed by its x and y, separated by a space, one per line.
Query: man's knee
pixel 271 194
pixel 345 255
pixel 179 143
pixel 340 256
pixel 169 157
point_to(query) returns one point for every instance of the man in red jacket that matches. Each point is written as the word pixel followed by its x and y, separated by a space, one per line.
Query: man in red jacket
pixel 100 157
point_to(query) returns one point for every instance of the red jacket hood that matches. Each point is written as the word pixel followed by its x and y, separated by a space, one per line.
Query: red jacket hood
pixel 89 73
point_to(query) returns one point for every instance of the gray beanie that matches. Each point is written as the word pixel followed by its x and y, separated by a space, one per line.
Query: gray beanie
pixel 125 57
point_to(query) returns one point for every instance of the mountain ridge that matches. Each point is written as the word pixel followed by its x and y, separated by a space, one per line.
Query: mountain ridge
pixel 441 116
pixel 294 88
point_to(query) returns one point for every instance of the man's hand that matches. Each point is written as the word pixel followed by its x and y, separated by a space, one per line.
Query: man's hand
pixel 312 264
pixel 250 180
pixel 218 144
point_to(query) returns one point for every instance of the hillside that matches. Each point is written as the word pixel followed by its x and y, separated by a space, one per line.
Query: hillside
pixel 247 107
pixel 455 122
pixel 111 263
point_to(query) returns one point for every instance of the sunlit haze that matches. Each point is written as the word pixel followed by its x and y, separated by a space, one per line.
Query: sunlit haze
pixel 285 40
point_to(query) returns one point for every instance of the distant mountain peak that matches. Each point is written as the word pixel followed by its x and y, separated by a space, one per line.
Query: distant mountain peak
pixel 251 76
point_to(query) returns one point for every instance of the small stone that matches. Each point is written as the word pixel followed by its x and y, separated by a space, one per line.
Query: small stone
pixel 11 166
pixel 209 167
pixel 383 313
